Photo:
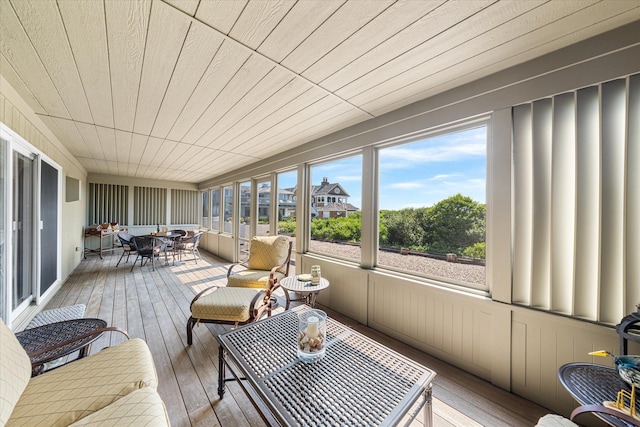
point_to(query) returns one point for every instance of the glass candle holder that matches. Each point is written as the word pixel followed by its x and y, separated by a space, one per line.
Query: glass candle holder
pixel 315 275
pixel 312 335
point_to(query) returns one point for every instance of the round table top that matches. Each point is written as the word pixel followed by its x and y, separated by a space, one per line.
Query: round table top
pixel 47 336
pixel 294 285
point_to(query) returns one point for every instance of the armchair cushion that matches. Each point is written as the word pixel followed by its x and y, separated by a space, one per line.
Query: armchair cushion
pixel 225 303
pixel 73 391
pixel 267 252
pixel 15 372
pixel 252 279
pixel 142 407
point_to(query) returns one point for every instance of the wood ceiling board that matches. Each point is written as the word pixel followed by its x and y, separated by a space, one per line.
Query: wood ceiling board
pixel 352 16
pixel 297 25
pixel 427 37
pixel 228 60
pixel 7 71
pixel 67 132
pixel 220 14
pixel 88 163
pixel 309 97
pixel 484 33
pixel 18 51
pixel 167 153
pixel 113 168
pixel 131 169
pixel 43 25
pixel 299 118
pixel 138 146
pixel 260 93
pixel 257 21
pixel 166 36
pixel 126 36
pixel 397 18
pixel 183 156
pixel 280 100
pixel 85 24
pixel 91 138
pixel 249 75
pixel 199 48
pixel 491 58
pixel 107 138
pixel 187 6
pixel 123 146
pixel 324 123
pixel 150 151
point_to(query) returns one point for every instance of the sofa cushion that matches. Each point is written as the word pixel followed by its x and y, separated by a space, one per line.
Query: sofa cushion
pixel 267 252
pixel 252 279
pixel 228 304
pixel 142 407
pixel 15 372
pixel 73 391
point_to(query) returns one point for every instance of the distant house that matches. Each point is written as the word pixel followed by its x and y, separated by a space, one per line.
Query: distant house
pixel 330 201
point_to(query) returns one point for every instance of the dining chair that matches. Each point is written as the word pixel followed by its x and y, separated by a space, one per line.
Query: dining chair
pixel 149 248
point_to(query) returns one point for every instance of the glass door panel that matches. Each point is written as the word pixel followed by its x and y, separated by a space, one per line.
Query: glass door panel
pixel 22 230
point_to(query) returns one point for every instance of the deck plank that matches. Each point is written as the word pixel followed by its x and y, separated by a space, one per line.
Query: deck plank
pixel 154 306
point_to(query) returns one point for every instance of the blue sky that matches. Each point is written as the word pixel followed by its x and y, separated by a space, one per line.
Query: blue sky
pixel 418 174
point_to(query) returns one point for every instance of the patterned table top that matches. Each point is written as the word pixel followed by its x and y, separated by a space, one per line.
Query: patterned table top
pixel 358 382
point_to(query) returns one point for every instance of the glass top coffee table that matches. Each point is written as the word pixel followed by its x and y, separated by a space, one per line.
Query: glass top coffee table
pixel 358 382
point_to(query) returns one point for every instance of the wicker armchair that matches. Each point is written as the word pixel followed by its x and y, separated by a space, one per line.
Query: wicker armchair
pixel 147 247
pixel 189 244
pixel 126 241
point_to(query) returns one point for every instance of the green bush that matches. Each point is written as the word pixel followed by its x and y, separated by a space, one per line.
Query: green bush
pixel 477 250
pixel 287 226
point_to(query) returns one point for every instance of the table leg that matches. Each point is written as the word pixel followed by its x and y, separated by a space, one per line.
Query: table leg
pixel 286 294
pixel 312 299
pixel 222 365
pixel 428 406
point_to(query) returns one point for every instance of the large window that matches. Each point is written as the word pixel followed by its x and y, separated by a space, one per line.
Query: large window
pixel 432 207
pixel 215 209
pixel 335 217
pixel 264 208
pixel 227 202
pixel 245 220
pixel 205 209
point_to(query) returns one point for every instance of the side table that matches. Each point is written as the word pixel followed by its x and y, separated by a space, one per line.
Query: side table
pixel 292 284
pixel 591 385
pixel 55 340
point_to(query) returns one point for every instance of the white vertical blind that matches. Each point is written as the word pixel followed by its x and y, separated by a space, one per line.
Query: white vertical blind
pixel 576 180
pixel 563 201
pixel 523 205
pixel 149 205
pixel 541 256
pixel 587 256
pixel 107 203
pixel 632 236
pixel 184 207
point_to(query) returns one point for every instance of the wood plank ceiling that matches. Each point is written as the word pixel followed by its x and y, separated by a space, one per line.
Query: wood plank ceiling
pixel 185 90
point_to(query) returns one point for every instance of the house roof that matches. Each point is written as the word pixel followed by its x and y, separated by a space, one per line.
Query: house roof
pixel 190 90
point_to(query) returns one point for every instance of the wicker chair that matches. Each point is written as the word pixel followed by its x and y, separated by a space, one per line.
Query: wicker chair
pixel 147 247
pixel 189 244
pixel 126 241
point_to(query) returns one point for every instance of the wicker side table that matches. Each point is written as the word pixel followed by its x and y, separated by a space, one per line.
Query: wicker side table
pixel 292 284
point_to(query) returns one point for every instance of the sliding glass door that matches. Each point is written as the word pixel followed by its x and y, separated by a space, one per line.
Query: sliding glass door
pixel 22 227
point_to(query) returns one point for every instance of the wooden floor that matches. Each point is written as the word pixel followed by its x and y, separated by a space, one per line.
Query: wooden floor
pixel 154 306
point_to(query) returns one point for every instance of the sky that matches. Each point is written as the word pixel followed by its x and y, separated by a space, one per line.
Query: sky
pixel 417 174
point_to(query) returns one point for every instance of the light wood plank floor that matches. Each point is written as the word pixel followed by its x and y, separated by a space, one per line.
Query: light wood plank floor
pixel 154 306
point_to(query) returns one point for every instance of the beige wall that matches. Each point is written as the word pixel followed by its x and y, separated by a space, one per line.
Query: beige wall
pixel 15 114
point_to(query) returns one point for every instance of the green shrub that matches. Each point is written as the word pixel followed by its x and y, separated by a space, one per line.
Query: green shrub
pixel 477 250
